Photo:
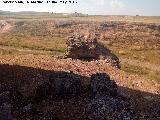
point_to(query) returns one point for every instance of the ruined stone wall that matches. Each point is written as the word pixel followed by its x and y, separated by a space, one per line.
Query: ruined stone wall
pixel 87 48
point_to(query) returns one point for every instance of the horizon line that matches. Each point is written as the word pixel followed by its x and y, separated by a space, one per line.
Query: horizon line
pixel 138 15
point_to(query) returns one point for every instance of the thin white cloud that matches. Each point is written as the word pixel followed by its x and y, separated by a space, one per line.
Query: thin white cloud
pixel 116 4
pixel 99 2
pixel 112 3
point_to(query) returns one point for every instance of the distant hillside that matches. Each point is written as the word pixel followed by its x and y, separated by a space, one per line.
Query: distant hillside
pixel 6 13
pixel 33 14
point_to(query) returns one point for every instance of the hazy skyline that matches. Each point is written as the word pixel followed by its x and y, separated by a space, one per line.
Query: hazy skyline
pixel 98 7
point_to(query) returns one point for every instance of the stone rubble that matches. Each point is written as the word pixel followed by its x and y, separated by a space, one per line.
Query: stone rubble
pixel 87 48
pixel 106 103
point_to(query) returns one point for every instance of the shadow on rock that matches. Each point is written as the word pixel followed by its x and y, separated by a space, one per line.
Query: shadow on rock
pixel 87 48
pixel 30 93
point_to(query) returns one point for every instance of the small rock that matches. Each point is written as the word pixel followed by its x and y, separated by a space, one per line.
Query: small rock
pixel 4 97
pixel 149 98
pixel 5 112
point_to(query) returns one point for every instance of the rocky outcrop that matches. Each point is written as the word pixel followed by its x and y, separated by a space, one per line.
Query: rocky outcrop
pixel 100 101
pixel 55 85
pixel 106 103
pixel 102 85
pixel 87 48
pixel 60 85
pixel 81 47
pixel 65 84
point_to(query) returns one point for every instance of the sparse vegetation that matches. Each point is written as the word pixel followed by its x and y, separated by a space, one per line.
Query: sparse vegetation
pixel 7 52
pixel 135 41
pixel 141 71
pixel 154 75
pixel 33 43
pixel 134 69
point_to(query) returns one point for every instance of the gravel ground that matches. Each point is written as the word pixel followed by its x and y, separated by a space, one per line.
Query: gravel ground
pixel 143 94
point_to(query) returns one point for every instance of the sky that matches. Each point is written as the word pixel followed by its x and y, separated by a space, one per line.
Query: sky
pixel 92 7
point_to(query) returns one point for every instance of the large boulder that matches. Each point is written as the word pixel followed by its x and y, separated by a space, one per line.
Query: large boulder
pixel 102 85
pixel 65 84
pixel 60 85
pixel 106 104
pixel 87 48
pixel 81 47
